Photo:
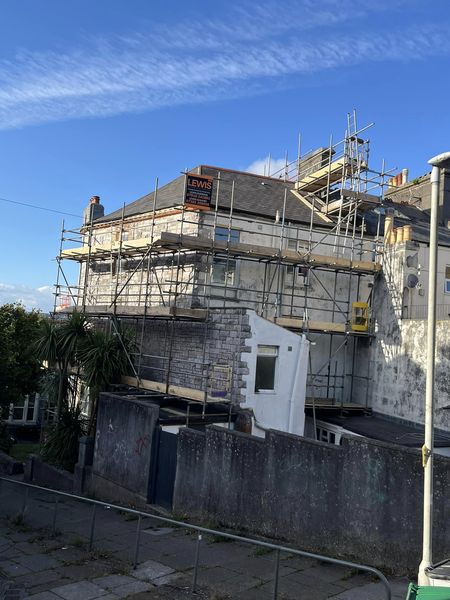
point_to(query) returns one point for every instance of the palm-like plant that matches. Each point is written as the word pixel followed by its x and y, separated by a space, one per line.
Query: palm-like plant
pixel 57 347
pixel 73 350
pixel 104 357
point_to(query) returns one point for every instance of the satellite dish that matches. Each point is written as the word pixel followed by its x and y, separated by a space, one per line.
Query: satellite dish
pixel 412 261
pixel 412 280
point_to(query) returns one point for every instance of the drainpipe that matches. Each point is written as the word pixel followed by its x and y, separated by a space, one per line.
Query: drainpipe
pixel 294 384
pixel 438 162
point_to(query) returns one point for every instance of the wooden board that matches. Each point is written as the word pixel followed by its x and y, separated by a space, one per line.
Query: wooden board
pixel 157 386
pixel 138 311
pixel 293 323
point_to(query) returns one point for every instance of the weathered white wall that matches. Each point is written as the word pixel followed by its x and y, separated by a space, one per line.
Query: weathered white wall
pixel 398 353
pixel 282 409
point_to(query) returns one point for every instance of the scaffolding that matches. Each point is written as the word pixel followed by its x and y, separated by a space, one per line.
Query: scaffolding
pixel 175 266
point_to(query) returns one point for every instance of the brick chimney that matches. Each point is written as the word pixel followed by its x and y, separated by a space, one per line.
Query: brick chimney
pixel 94 210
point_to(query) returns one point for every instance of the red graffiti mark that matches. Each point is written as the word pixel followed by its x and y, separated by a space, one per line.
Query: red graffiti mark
pixel 142 442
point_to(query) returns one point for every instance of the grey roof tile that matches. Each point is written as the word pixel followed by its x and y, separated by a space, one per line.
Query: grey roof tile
pixel 253 195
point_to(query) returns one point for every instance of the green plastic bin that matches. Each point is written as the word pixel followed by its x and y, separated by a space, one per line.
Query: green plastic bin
pixel 416 592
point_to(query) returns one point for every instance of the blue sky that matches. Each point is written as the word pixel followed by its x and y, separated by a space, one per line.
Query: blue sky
pixel 100 98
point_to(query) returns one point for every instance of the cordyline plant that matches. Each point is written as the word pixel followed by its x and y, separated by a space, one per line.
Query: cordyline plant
pixel 73 352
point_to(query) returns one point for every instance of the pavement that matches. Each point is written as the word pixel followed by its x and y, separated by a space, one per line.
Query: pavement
pixel 39 564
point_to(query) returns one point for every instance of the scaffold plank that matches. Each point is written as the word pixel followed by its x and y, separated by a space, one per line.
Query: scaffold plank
pixel 298 323
pixel 121 310
pixel 174 241
pixel 157 386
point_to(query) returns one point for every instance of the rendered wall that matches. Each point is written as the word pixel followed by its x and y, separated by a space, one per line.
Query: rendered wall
pixel 398 353
pixel 361 500
pixel 123 443
pixel 284 407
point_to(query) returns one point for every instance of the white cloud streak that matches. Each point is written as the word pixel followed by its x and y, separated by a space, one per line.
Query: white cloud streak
pixel 246 54
pixel 261 166
pixel 41 297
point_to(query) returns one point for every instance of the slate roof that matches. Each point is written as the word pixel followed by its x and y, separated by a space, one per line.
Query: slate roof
pixel 406 214
pixel 253 195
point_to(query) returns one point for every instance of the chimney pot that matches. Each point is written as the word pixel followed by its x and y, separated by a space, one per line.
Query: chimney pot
pixel 94 200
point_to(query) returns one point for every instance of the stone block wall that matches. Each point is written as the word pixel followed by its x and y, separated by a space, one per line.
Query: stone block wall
pixel 196 348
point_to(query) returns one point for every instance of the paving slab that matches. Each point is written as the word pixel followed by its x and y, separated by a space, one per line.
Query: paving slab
pixel 151 569
pixel 32 580
pixel 375 591
pixel 129 589
pixel 38 562
pixel 82 590
pixel 261 567
pixel 109 582
pixel 165 579
pixel 44 596
pixel 13 569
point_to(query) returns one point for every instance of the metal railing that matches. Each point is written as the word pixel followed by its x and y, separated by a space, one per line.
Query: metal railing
pixel 421 312
pixel 200 531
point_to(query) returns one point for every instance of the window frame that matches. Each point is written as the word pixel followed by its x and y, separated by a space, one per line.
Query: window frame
pixel 275 354
pixel 447 280
pixel 222 234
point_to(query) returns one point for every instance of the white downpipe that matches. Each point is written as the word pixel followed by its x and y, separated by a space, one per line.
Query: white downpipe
pixel 427 448
pixel 294 387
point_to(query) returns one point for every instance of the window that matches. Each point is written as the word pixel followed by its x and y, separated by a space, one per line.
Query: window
pixel 447 280
pixel 266 364
pixel 224 234
pixel 301 275
pixel 324 435
pixel 224 270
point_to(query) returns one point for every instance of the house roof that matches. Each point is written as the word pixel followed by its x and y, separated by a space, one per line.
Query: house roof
pixel 253 195
pixel 407 214
pixel 378 427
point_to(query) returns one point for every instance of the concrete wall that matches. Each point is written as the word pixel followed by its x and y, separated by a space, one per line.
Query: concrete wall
pixel 361 500
pixel 123 444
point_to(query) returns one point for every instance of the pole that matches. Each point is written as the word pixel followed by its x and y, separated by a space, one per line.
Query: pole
pixel 427 448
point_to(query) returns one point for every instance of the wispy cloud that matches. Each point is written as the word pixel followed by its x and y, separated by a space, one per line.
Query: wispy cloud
pixel 183 64
pixel 41 297
pixel 266 166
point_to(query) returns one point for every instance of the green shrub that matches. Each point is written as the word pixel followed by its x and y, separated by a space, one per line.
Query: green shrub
pixel 60 446
pixel 6 440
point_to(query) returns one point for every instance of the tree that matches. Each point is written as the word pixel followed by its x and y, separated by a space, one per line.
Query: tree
pixel 104 358
pixel 75 351
pixel 20 368
pixel 57 346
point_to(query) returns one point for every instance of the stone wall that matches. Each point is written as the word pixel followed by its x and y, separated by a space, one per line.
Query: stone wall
pixel 361 500
pixel 192 361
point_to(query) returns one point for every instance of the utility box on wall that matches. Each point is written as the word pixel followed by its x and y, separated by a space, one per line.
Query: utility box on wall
pixel 360 316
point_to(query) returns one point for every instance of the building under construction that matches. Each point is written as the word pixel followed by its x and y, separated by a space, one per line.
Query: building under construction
pixel 243 290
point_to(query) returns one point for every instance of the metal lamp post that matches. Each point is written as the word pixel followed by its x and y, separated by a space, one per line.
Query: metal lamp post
pixel 438 162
